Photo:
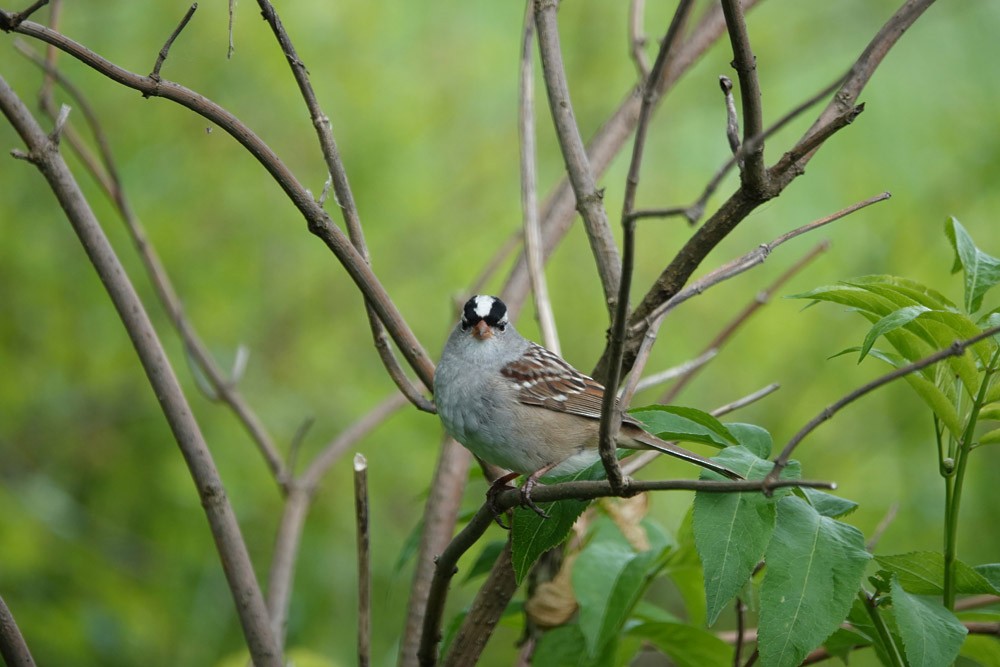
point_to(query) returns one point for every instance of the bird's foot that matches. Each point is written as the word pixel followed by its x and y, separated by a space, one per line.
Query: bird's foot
pixel 526 500
pixel 496 488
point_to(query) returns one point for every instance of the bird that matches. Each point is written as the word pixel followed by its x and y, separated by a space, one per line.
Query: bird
pixel 520 406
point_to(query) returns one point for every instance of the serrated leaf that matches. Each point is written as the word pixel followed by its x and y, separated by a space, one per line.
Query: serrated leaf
pixel 685 645
pixel 891 322
pixel 981 271
pixel 843 642
pixel 922 573
pixel 990 572
pixel 684 570
pixel 732 530
pixel 850 296
pixel 828 504
pixel 609 578
pixel 753 437
pixel 814 567
pixel 674 422
pixel 931 634
pixel 532 535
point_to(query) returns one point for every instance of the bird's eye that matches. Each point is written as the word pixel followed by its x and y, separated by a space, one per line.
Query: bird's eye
pixel 465 325
pixel 501 326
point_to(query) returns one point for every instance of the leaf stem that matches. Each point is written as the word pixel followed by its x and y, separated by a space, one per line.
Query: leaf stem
pixel 892 651
pixel 955 482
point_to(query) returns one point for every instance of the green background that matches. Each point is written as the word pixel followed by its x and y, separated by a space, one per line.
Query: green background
pixel 106 558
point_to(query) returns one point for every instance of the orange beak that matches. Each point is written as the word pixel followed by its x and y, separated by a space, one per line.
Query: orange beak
pixel 481 330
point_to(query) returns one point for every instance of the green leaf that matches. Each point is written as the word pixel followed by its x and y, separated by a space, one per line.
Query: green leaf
pixel 922 573
pixel 981 271
pixel 828 504
pixel 685 571
pixel 843 642
pixel 685 645
pixel 990 437
pixel 981 650
pixel 753 437
pixel 890 322
pixel 897 288
pixel 850 296
pixel 562 647
pixel 609 578
pixel 673 422
pixel 931 634
pixel 814 567
pixel 531 535
pixel 990 572
pixel 732 530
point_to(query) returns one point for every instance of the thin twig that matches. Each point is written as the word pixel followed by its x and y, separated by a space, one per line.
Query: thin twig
pixel 529 187
pixel 730 329
pixel 680 370
pixel 741 610
pixel 751 259
pixel 754 175
pixel 732 122
pixel 640 460
pixel 611 415
pixel 155 74
pixel 11 20
pixel 13 648
pixel 558 210
pixel 955 349
pixel 345 199
pixel 741 203
pixel 106 174
pixel 883 525
pixel 221 518
pixel 319 223
pixel 589 198
pixel 364 560
pixel 637 38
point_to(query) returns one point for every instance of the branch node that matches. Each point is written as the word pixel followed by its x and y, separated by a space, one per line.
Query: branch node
pixel 155 74
pixel 10 21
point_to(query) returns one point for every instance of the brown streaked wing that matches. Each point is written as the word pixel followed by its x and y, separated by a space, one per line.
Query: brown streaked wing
pixel 547 381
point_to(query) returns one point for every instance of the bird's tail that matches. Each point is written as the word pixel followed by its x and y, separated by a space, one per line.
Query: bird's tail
pixel 670 449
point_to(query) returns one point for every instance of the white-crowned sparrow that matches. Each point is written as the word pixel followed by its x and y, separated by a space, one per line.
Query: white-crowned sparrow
pixel 517 405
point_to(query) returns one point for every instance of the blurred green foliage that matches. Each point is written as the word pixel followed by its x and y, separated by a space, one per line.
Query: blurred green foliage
pixel 106 558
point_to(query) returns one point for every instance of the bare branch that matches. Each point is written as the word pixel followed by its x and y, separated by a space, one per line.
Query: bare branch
pixel 754 175
pixel 440 518
pixel 344 197
pixel 221 518
pixel 957 348
pixel 486 609
pixel 11 20
pixel 743 316
pixel 105 172
pixel 529 187
pixel 155 74
pixel 735 209
pixel 589 198
pixel 13 648
pixel 319 222
pixel 732 122
pixel 637 38
pixel 558 212
pixel 364 560
pixel 611 415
